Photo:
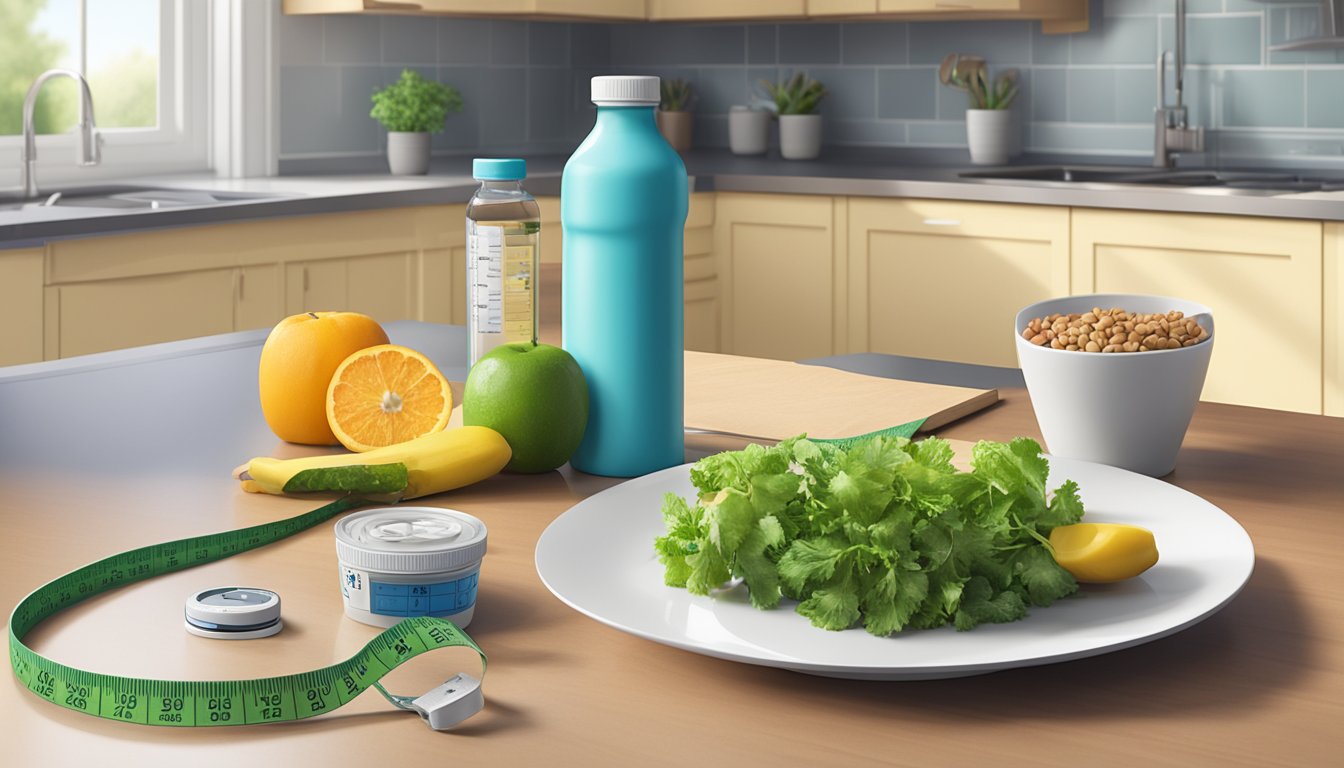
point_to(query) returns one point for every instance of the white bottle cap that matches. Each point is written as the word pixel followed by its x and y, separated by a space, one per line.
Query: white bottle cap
pixel 618 90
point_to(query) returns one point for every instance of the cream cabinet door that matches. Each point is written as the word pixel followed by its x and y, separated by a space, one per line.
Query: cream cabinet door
pixel 781 274
pixel 821 8
pixel 257 303
pixel 379 286
pixel 21 305
pixel 1260 277
pixel 1333 327
pixel 687 10
pixel 111 314
pixel 943 279
pixel 700 272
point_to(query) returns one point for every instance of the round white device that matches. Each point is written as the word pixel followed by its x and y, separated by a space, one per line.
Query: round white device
pixel 233 613
pixel 398 562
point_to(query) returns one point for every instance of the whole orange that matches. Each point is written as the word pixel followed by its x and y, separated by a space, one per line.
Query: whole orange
pixel 297 362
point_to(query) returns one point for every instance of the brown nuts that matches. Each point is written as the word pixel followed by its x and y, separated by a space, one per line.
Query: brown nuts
pixel 1115 330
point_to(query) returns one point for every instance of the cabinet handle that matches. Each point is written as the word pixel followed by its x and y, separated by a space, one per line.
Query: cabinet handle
pixel 305 279
pixel 240 286
pixel 942 222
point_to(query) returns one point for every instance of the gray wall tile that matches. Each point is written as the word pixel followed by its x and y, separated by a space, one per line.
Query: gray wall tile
pixel 299 39
pixel 1049 95
pixel 312 99
pixel 1091 94
pixel 873 43
pixel 907 93
pixel 508 43
pixel 464 41
pixel 1049 49
pixel 1325 98
pixel 677 44
pixel 761 43
pixel 1212 40
pixel 352 39
pixel 716 90
pixel 589 45
pixel 944 134
pixel 809 43
pixel 1116 40
pixel 547 43
pixel 1135 95
pixel 410 40
pixel 1263 98
pixel 851 93
pixel 503 107
pixel 1089 139
pixel 547 104
pixel 460 128
pixel 865 132
pixel 1001 43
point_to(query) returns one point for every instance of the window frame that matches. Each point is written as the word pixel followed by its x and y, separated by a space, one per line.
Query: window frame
pixel 181 140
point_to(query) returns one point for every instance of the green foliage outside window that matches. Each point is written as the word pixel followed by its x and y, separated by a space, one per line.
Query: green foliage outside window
pixel 414 104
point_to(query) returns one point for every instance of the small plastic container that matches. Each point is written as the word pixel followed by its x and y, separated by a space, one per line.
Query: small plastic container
pixel 503 241
pixel 398 562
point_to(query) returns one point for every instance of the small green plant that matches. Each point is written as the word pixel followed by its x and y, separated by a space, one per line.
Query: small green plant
pixel 799 95
pixel 414 104
pixel 676 95
pixel 971 74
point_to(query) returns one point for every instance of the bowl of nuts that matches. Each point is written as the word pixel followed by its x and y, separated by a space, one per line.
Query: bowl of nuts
pixel 1114 378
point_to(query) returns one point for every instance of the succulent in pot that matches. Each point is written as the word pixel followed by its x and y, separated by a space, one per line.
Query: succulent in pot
pixel 674 115
pixel 796 101
pixel 990 130
pixel 411 109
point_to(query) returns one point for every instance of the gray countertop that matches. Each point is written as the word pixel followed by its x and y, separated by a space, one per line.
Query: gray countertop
pixel 362 185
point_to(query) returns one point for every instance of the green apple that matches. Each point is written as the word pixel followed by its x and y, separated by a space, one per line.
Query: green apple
pixel 534 395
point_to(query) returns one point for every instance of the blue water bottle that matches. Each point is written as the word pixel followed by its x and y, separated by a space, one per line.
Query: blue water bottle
pixel 623 200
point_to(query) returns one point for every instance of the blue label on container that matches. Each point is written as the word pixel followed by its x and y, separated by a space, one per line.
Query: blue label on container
pixel 440 599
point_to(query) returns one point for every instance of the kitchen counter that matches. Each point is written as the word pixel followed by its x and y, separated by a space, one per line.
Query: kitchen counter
pixel 364 185
pixel 107 452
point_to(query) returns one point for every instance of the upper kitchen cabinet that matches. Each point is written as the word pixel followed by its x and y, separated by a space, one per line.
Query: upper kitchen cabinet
pixel 568 9
pixel 943 279
pixel 781 272
pixel 716 10
pixel 1260 277
pixel 817 9
pixel 1056 16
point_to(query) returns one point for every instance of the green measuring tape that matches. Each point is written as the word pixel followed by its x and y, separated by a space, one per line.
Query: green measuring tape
pixel 224 702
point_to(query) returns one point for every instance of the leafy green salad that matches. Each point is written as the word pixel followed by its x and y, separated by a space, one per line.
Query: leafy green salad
pixel 886 532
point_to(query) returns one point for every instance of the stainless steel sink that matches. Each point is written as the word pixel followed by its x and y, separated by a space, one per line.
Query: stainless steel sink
pixel 1229 181
pixel 137 198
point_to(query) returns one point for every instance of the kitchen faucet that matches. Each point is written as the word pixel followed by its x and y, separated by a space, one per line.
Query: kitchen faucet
pixel 90 141
pixel 1172 132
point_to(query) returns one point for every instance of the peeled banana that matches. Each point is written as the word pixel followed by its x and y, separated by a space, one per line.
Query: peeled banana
pixel 433 463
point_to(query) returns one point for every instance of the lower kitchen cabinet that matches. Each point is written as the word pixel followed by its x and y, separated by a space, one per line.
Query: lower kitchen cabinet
pixel 1260 277
pixel 119 291
pixel 1333 325
pixel 703 309
pixel 781 272
pixel 21 305
pixel 943 279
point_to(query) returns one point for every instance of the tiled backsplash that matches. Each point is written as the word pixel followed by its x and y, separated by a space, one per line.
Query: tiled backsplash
pixel 525 83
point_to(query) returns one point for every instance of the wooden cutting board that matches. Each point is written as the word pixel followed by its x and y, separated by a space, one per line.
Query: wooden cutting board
pixel 774 399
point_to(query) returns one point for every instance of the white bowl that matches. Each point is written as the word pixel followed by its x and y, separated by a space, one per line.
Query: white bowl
pixel 1128 409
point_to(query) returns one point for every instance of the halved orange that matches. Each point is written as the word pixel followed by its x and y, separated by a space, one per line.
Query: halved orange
pixel 385 395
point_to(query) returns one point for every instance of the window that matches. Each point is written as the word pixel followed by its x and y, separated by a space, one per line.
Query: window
pixel 138 56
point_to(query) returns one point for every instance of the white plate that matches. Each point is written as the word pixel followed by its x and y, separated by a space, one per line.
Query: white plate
pixel 598 558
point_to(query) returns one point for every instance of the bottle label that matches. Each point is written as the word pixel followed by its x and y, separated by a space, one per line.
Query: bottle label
pixel 485 251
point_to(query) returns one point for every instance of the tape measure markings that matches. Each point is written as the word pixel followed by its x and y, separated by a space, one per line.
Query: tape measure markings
pixel 210 703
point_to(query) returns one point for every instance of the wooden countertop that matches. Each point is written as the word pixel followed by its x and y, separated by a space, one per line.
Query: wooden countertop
pixel 97 460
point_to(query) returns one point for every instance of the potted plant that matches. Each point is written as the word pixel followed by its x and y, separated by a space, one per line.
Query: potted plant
pixel 795 102
pixel 411 109
pixel 675 120
pixel 990 131
pixel 748 129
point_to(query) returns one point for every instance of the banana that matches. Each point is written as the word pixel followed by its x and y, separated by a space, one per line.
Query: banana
pixel 437 462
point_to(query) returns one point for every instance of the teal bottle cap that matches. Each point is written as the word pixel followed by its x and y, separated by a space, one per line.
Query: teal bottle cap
pixel 499 169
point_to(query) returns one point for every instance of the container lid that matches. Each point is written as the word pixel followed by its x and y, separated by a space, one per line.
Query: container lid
pixel 499 169
pixel 629 90
pixel 410 540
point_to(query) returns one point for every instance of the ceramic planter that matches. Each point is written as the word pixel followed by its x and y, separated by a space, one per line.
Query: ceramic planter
pixel 748 131
pixel 800 136
pixel 676 127
pixel 991 135
pixel 408 153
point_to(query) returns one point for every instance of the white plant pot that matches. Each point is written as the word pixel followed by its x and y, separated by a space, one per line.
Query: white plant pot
pixel 408 153
pixel 991 135
pixel 799 136
pixel 748 131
